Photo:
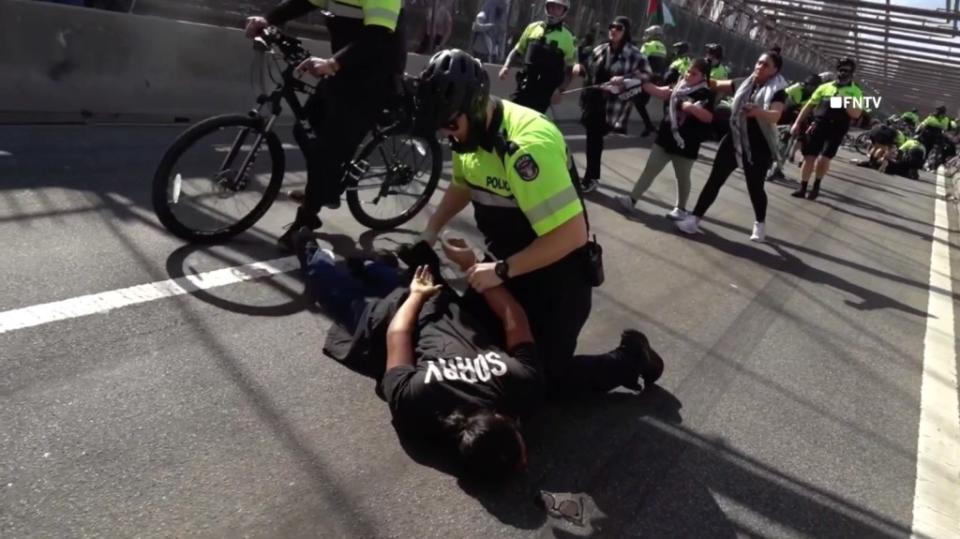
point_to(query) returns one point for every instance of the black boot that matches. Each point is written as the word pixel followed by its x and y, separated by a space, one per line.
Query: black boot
pixel 801 192
pixel 303 219
pixel 647 364
pixel 815 191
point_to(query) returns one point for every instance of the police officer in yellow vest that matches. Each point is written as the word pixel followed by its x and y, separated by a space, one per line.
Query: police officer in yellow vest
pixel 548 51
pixel 369 52
pixel 932 132
pixel 678 67
pixel 510 162
pixel 715 55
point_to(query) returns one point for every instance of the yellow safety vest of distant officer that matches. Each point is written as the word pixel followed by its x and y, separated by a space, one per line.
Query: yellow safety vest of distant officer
pixel 718 71
pixel 548 52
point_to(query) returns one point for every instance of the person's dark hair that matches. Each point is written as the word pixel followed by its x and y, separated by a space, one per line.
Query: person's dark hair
pixel 775 58
pixel 777 49
pixel 847 61
pixel 627 36
pixel 488 443
pixel 703 66
pixel 681 48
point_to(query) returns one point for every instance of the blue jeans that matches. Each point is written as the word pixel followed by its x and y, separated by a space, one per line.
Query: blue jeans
pixel 345 297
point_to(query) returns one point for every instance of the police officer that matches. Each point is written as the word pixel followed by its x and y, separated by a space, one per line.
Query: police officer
pixel 680 64
pixel 510 161
pixel 655 52
pixel 829 126
pixel 548 51
pixel 366 37
pixel 911 117
pixel 715 55
pixel 797 96
pixel 931 130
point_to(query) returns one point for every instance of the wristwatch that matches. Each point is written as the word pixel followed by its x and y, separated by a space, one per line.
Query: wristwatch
pixel 502 269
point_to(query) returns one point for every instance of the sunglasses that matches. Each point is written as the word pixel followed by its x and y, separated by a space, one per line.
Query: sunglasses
pixel 616 27
pixel 568 509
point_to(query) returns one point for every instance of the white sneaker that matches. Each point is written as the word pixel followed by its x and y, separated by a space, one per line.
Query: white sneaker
pixel 677 214
pixel 626 205
pixel 690 225
pixel 759 232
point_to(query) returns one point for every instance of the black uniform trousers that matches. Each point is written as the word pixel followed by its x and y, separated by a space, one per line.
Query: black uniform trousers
pixel 342 112
pixel 724 164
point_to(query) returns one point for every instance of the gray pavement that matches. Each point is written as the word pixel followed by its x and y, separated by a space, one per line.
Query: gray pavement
pixel 789 406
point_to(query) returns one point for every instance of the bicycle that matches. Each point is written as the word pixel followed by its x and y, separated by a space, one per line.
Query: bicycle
pixel 215 180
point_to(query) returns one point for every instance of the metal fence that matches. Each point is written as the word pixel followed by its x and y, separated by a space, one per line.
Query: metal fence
pixel 452 23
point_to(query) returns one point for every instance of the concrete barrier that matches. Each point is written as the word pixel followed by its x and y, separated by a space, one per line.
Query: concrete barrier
pixel 65 63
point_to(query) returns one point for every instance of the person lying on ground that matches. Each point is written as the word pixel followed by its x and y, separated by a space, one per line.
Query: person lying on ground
pixel 446 376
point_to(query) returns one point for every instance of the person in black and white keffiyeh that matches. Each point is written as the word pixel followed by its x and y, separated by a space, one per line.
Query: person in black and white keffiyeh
pixel 751 143
pixel 619 66
pixel 686 124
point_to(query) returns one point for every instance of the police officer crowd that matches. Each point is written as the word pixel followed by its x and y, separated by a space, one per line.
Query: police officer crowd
pixel 466 367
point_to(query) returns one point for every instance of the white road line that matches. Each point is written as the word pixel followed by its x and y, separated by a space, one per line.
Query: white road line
pixel 5 154
pixel 936 502
pixel 46 313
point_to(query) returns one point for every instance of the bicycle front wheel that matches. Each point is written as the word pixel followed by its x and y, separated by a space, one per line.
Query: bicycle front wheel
pixel 396 174
pixel 218 178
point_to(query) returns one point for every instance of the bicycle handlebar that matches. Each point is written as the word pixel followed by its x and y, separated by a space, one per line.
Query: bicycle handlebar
pixel 290 47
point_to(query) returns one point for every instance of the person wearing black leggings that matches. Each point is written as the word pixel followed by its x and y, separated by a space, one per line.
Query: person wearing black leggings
pixel 758 102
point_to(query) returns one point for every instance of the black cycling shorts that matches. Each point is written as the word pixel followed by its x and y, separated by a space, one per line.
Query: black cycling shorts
pixel 824 141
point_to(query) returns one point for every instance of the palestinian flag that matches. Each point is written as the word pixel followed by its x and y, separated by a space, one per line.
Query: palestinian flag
pixel 659 13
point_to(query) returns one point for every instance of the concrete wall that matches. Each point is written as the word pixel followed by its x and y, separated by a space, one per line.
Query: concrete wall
pixel 64 63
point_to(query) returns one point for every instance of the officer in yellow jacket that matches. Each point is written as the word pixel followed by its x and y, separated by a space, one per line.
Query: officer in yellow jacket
pixel 510 162
pixel 548 51
pixel 369 52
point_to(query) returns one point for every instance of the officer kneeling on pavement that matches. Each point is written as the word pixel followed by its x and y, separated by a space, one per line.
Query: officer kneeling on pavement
pixel 510 161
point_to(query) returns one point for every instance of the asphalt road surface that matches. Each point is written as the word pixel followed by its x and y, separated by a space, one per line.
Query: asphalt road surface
pixel 789 406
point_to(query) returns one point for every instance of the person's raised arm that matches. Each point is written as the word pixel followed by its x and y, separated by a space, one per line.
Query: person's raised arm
pixel 404 322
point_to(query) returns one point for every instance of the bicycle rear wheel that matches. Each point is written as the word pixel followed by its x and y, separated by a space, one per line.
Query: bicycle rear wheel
pixel 396 176
pixel 218 178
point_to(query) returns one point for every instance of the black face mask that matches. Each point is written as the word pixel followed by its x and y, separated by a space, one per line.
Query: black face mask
pixel 844 78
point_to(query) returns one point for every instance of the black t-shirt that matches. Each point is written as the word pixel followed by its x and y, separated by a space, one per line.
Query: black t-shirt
pixel 759 148
pixel 692 130
pixel 458 363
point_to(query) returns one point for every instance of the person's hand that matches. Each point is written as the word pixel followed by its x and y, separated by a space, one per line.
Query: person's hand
pixel 750 110
pixel 618 80
pixel 795 129
pixel 578 70
pixel 457 250
pixel 503 72
pixel 422 283
pixel 254 26
pixel 557 97
pixel 318 67
pixel 483 276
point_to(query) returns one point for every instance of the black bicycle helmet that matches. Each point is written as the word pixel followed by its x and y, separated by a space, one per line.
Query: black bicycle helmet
pixel 813 80
pixel 847 61
pixel 941 109
pixel 715 50
pixel 681 47
pixel 452 83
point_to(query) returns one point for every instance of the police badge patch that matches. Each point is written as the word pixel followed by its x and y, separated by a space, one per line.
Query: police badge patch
pixel 526 167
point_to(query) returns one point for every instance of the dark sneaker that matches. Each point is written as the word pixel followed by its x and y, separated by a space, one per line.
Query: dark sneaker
pixel 590 185
pixel 776 175
pixel 801 192
pixel 304 244
pixel 620 129
pixel 302 220
pixel 649 367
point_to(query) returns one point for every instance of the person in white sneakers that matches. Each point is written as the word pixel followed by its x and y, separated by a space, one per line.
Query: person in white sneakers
pixel 687 124
pixel 751 143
